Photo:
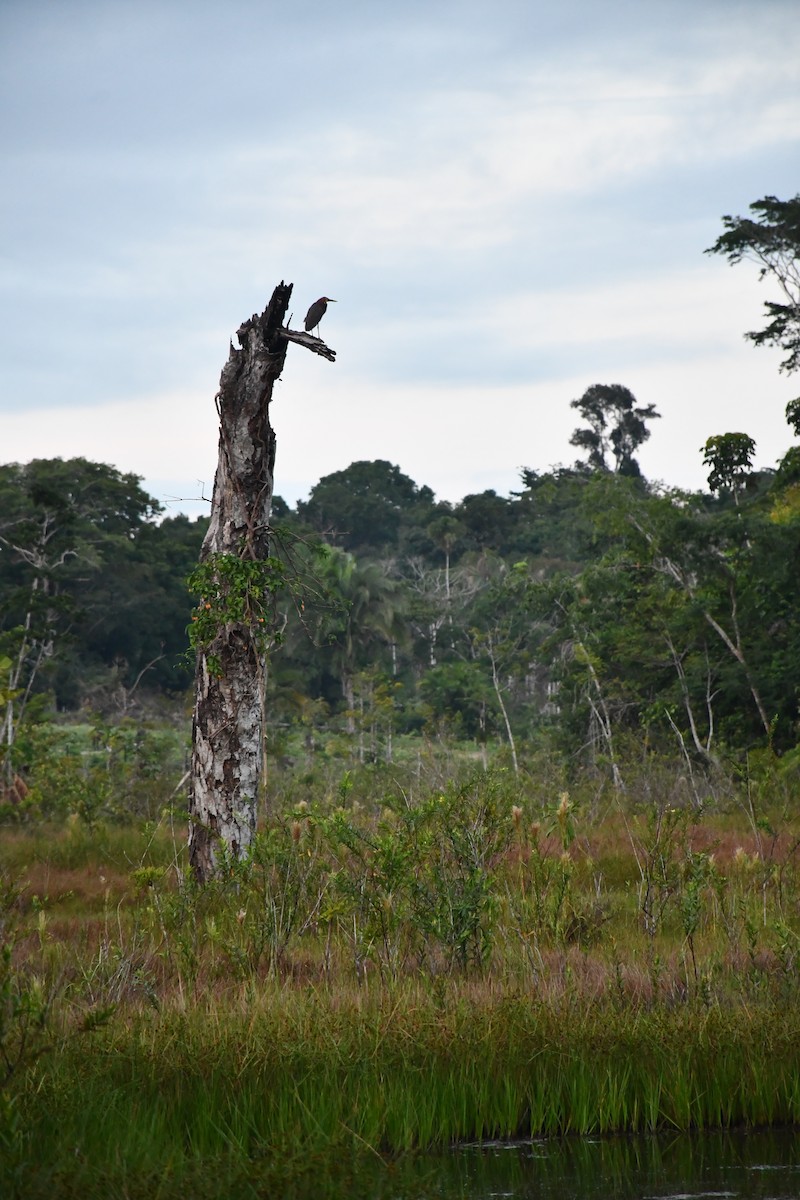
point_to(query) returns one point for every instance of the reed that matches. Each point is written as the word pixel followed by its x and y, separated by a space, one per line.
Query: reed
pixel 290 1078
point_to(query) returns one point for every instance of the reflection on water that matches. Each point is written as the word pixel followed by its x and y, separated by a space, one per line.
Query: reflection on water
pixel 762 1164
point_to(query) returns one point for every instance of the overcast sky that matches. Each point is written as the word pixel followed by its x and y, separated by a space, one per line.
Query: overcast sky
pixel 509 201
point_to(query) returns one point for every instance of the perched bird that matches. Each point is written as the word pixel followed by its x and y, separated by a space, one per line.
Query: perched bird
pixel 317 312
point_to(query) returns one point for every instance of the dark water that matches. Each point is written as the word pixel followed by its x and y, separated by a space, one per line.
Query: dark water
pixel 679 1167
pixel 683 1166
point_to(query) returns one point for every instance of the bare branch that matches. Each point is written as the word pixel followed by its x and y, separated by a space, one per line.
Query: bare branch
pixel 314 344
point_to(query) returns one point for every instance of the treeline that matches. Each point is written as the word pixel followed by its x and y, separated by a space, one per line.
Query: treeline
pixel 589 611
pixel 93 591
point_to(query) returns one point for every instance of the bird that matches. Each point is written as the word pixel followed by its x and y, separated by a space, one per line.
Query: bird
pixel 317 312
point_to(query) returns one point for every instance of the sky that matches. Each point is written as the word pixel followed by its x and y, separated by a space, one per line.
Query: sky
pixel 510 202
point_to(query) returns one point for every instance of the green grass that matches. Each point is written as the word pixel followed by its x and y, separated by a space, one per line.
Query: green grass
pixel 293 1078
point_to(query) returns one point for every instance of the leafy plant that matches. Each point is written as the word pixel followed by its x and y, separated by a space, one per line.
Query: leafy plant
pixel 234 590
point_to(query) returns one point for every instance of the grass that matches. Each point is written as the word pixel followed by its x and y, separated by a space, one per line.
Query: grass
pixel 292 1078
pixel 383 978
pixel 288 1079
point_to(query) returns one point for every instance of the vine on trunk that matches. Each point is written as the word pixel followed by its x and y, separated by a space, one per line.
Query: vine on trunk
pixel 235 591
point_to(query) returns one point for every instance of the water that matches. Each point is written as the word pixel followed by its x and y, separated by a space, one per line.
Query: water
pixel 725 1166
pixel 682 1167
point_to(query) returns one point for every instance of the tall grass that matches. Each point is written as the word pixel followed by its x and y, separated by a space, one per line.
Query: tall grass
pixel 375 979
pixel 296 1078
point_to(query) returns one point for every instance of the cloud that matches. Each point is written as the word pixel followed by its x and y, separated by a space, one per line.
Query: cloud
pixel 510 203
pixel 460 438
pixel 686 310
pixel 463 168
pixel 171 435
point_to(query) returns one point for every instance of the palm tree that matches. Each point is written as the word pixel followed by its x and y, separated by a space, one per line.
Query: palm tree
pixel 366 618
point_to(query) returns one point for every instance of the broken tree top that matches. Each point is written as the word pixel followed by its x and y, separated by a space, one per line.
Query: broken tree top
pixel 271 328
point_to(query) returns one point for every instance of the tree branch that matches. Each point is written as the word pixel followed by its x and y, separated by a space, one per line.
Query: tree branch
pixel 314 344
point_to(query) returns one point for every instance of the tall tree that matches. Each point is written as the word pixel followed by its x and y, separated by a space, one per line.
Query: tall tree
pixel 770 238
pixel 63 522
pixel 730 459
pixel 236 583
pixel 617 426
pixel 487 520
pixel 445 532
pixel 363 616
pixel 364 507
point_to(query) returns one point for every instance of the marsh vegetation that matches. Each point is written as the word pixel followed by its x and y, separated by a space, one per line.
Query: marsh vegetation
pixel 406 959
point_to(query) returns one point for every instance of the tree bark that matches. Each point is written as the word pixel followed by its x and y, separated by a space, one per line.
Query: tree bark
pixel 227 728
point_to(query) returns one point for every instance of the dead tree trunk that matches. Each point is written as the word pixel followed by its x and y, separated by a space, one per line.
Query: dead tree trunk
pixel 227 727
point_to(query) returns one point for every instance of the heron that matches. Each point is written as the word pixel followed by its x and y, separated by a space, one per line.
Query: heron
pixel 317 312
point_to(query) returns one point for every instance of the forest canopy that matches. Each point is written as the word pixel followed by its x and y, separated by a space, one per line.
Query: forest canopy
pixel 586 608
